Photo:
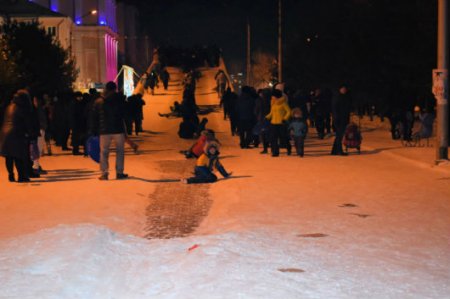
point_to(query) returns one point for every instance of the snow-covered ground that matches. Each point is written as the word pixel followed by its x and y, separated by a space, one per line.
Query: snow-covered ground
pixel 373 225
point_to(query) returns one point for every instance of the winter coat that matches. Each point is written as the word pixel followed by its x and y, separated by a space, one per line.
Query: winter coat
pixel 262 106
pixel 16 128
pixel 426 125
pixel 199 146
pixel 279 111
pixel 77 116
pixel 108 115
pixel 298 128
pixel 186 129
pixel 206 164
pixel 341 111
pixel 245 108
pixel 42 116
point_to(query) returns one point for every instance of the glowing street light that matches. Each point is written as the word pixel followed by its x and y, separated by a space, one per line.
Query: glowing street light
pixel 90 13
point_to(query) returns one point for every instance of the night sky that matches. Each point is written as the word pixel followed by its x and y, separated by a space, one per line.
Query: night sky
pixel 209 22
pixel 375 41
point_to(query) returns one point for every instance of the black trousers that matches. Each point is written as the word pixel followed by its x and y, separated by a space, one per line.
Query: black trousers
pixel 328 123
pixel 320 126
pixel 279 137
pixel 264 139
pixel 233 125
pixel 337 145
pixel 20 167
pixel 299 142
pixel 245 132
pixel 201 178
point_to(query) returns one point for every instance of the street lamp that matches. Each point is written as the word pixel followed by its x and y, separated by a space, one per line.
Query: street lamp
pixel 440 84
pixel 90 13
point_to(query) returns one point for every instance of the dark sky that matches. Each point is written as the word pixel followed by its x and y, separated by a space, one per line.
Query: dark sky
pixel 203 22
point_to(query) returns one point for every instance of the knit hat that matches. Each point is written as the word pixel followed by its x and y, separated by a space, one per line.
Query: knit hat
pixel 211 144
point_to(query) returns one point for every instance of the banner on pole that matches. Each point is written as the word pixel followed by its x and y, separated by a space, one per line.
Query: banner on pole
pixel 128 80
pixel 440 86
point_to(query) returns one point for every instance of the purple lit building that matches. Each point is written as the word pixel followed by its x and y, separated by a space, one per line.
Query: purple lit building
pixel 94 41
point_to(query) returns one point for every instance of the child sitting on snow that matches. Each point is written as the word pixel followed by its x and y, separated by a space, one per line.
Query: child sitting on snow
pixel 197 149
pixel 298 130
pixel 205 166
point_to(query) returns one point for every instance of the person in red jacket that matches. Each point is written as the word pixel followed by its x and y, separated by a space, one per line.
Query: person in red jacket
pixel 197 149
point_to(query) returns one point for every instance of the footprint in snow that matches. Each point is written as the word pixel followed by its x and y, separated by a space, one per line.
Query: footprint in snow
pixel 361 215
pixel 315 235
pixel 291 270
pixel 348 205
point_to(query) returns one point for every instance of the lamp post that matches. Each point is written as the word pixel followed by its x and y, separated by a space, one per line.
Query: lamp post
pixel 440 84
pixel 249 53
pixel 280 43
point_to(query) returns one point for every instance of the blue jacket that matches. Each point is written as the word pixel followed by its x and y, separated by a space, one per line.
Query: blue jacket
pixel 298 128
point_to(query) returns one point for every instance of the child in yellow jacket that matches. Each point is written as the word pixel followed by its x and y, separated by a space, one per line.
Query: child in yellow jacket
pixel 205 166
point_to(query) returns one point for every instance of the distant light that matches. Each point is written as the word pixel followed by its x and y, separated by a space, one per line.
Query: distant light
pixel 78 22
pixel 94 12
pixel 240 74
pixel 102 23
pixel 308 40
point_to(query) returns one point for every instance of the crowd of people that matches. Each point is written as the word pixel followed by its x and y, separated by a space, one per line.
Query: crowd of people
pixel 31 123
pixel 277 118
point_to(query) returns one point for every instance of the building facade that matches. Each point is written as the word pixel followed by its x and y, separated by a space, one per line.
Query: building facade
pixel 87 28
pixel 94 42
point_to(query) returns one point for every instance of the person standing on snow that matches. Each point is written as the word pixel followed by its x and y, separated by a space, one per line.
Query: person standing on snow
pixel 245 114
pixel 108 122
pixel 341 117
pixel 165 78
pixel 15 130
pixel 222 82
pixel 78 123
pixel 278 116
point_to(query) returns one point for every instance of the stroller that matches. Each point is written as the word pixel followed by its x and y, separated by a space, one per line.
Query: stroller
pixel 352 137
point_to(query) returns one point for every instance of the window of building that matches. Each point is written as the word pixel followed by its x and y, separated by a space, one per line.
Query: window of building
pixel 51 31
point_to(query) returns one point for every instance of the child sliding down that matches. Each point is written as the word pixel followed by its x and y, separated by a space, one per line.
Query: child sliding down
pixel 205 166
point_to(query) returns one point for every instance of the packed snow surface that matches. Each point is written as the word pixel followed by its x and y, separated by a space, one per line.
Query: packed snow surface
pixel 374 225
pixel 88 261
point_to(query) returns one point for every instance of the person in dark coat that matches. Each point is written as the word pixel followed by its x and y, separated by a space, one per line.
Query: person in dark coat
pixel 49 109
pixel 40 120
pixel 262 108
pixel 108 122
pixel 187 129
pixel 151 82
pixel 245 114
pixel 16 129
pixel 165 78
pixel 135 110
pixel 78 123
pixel 61 120
pixel 327 100
pixel 227 102
pixel 341 117
pixel 319 115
